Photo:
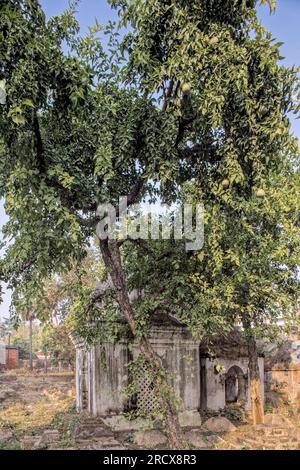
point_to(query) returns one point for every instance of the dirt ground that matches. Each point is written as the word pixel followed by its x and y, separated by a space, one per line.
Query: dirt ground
pixel 32 404
pixel 37 411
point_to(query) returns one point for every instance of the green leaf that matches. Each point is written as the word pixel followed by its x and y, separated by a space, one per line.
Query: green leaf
pixel 16 110
pixel 18 119
pixel 28 102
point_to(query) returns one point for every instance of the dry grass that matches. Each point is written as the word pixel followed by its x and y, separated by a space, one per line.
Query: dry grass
pixel 41 402
pixel 38 373
pixel 28 416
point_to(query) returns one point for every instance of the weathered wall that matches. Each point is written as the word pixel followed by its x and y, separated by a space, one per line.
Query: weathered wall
pixel 9 357
pixel 107 377
pixel 215 383
pixel 283 383
pixel 282 372
pixel 12 357
pixel 180 355
pixel 102 372
pixel 81 378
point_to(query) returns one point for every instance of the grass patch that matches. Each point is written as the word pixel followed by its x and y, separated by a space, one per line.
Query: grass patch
pixel 29 416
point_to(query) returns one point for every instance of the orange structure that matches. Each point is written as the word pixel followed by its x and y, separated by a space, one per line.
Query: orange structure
pixel 11 358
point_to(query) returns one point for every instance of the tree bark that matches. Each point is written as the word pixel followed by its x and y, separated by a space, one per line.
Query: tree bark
pixel 30 345
pixel 46 363
pixel 112 259
pixel 255 382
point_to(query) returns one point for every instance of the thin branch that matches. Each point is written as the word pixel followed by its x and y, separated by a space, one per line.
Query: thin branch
pixel 183 125
pixel 140 243
pixel 133 194
pixel 86 222
pixel 198 150
pixel 39 145
pixel 168 96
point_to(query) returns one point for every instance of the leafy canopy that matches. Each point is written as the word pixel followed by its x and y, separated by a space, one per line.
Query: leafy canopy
pixel 191 104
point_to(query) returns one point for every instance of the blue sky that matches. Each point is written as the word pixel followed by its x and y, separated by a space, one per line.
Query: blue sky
pixel 284 25
pixel 88 10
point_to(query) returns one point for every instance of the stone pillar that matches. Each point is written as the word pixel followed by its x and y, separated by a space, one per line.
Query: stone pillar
pixel 81 379
pixel 80 374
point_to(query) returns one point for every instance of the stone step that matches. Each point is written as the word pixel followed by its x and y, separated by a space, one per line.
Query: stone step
pixel 93 421
pixel 103 444
pixel 87 434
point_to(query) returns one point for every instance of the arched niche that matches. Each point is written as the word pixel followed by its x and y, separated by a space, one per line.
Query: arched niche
pixel 236 383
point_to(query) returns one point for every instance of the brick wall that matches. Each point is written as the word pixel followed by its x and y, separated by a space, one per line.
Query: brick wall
pixel 12 357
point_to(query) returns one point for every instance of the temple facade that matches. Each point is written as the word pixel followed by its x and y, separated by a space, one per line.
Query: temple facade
pixel 204 376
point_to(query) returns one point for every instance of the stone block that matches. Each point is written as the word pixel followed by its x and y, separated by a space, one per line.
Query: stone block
pixel 31 442
pixel 8 393
pixel 190 419
pixel 219 425
pixel 5 434
pixel 104 444
pixel 149 439
pixel 50 436
pixel 197 440
pixel 120 423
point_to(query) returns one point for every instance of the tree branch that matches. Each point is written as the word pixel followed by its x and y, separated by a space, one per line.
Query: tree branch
pixel 168 96
pixel 183 124
pixel 133 194
pixel 39 145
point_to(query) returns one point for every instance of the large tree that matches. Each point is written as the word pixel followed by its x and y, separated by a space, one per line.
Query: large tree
pixel 57 345
pixel 201 97
pixel 248 273
pixel 233 100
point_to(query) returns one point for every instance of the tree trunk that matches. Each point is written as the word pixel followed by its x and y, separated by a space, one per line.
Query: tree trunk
pixel 255 382
pixel 30 345
pixel 46 363
pixel 112 259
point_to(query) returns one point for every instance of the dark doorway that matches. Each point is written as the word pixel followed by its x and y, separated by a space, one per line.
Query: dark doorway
pixel 203 385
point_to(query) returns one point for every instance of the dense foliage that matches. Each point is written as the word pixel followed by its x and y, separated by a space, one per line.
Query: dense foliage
pixel 190 105
pixel 73 136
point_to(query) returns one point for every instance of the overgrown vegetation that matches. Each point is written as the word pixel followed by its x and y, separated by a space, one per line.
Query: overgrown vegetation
pixel 191 105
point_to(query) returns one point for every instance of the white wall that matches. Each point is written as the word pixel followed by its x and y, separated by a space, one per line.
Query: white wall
pixel 216 382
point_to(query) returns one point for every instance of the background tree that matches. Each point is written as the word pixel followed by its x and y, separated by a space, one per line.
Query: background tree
pixel 20 338
pixel 5 330
pixel 56 342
